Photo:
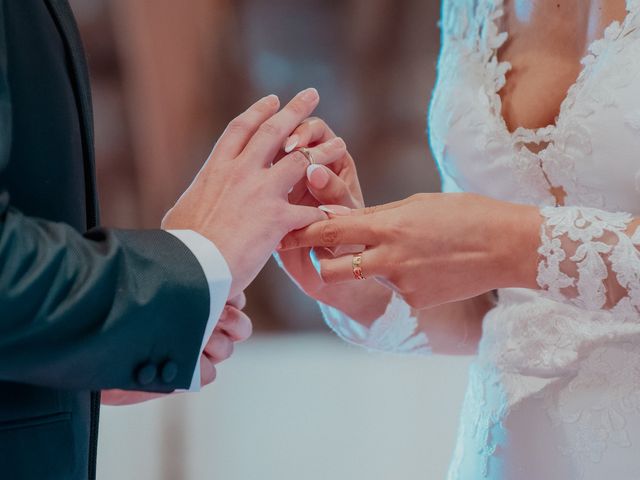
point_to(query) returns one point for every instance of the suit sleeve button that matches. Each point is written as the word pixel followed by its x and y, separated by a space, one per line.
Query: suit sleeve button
pixel 169 371
pixel 147 374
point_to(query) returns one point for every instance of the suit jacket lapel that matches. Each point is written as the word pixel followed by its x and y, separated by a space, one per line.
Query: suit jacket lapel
pixel 63 16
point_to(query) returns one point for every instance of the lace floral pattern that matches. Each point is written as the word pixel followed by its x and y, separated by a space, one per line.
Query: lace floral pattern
pixel 589 259
pixel 570 356
pixel 485 407
pixel 471 42
pixel 591 429
pixel 395 331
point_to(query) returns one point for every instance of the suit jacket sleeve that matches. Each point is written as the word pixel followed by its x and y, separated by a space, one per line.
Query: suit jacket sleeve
pixel 102 310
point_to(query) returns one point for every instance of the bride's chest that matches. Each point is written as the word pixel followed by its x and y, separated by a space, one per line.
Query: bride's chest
pixel 590 153
pixel 546 42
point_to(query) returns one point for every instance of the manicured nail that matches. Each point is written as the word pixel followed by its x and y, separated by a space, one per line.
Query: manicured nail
pixel 291 143
pixel 317 176
pixel 335 210
pixel 309 94
pixel 290 190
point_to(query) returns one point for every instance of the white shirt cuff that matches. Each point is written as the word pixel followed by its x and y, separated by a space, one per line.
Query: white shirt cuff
pixel 218 278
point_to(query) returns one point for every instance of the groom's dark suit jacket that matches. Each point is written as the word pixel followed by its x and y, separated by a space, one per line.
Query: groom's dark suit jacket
pixel 81 308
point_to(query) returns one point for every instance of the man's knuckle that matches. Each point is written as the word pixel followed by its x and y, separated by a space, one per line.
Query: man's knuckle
pixel 298 107
pixel 238 125
pixel 271 129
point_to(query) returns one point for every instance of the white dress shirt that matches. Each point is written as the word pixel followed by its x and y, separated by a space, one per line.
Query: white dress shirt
pixel 218 278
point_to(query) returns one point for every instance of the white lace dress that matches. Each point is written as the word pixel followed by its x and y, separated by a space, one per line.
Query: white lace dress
pixel 554 392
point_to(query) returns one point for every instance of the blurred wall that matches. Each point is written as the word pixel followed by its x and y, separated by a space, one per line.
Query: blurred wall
pixel 169 75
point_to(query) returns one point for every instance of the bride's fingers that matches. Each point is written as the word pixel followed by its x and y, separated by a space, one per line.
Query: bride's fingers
pixel 292 168
pixel 313 130
pixel 329 188
pixel 340 270
pixel 340 210
pixel 356 230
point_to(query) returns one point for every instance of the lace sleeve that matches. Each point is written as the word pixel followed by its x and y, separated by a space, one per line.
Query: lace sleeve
pixel 395 331
pixel 590 258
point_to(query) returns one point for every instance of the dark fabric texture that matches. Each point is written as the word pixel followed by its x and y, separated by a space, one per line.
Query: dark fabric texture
pixel 81 308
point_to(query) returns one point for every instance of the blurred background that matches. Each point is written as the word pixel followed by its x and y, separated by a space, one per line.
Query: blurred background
pixel 293 402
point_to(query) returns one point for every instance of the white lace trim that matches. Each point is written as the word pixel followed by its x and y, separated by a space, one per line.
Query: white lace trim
pixel 395 331
pixel 566 139
pixel 579 248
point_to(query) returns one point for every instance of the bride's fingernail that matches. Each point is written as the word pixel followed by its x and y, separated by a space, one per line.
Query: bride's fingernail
pixel 335 209
pixel 317 175
pixel 290 190
pixel 291 144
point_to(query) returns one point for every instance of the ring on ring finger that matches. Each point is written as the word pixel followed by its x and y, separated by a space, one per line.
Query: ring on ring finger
pixel 307 153
pixel 356 264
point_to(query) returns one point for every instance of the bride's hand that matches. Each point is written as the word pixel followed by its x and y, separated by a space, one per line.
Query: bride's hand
pixel 336 183
pixel 433 248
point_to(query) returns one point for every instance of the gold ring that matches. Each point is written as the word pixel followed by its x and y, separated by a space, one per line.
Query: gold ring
pixel 356 264
pixel 307 153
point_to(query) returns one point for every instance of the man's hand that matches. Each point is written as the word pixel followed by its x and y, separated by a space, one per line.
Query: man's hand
pixel 233 327
pixel 239 200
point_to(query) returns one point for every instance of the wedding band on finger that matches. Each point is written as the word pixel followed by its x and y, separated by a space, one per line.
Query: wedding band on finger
pixel 307 153
pixel 356 264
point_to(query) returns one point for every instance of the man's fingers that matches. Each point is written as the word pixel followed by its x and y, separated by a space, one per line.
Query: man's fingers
pixel 207 371
pixel 340 270
pixel 330 233
pixel 268 140
pixel 235 324
pixel 219 347
pixel 310 132
pixel 242 128
pixel 292 168
pixel 239 301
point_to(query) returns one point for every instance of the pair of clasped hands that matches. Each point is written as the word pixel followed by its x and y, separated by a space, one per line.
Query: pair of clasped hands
pixel 258 194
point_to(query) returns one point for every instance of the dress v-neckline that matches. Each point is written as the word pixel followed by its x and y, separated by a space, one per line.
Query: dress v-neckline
pixel 545 134
pixel 538 141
